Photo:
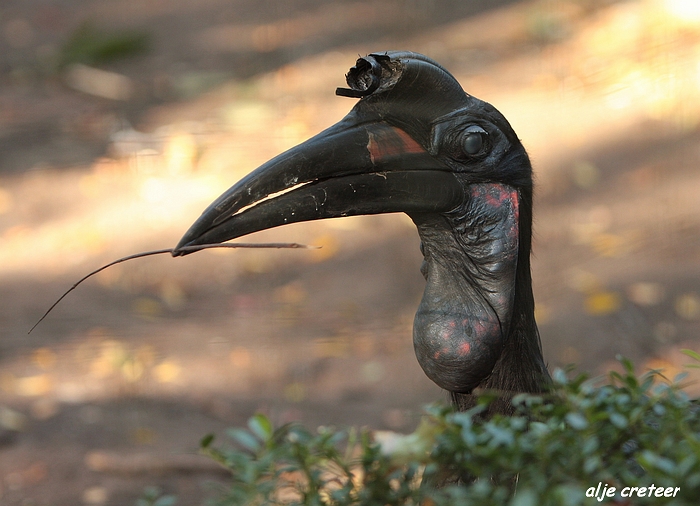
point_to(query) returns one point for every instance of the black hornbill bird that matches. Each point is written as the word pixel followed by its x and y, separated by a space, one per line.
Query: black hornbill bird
pixel 416 143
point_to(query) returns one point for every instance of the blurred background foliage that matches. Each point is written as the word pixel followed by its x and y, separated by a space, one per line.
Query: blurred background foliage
pixel 90 46
pixel 120 121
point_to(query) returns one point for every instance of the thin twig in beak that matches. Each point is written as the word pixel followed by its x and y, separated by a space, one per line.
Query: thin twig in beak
pixel 188 249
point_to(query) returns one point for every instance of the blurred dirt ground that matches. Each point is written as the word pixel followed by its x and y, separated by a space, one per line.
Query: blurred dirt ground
pixel 112 392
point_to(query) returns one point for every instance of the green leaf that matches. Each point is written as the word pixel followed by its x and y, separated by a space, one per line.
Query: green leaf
pixel 576 421
pixel 166 500
pixel 692 354
pixel 662 463
pixel 618 420
pixel 261 426
pixel 206 441
pixel 559 376
pixel 626 363
pixel 524 498
pixel 680 377
pixel 244 438
pixel 591 464
pixel 590 445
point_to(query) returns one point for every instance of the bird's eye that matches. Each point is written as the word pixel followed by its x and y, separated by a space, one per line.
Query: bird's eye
pixel 473 140
pixel 472 143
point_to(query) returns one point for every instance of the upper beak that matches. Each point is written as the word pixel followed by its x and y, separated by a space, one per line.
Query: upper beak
pixel 358 166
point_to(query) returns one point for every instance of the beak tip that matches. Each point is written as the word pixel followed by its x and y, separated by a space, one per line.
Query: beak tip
pixel 196 235
pixel 177 251
pixel 182 247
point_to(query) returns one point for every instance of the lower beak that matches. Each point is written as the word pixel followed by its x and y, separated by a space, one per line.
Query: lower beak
pixel 352 168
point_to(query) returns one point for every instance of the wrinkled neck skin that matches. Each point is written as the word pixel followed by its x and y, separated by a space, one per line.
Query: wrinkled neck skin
pixel 475 326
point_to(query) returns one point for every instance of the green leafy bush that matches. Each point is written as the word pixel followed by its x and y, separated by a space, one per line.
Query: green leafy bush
pixel 556 450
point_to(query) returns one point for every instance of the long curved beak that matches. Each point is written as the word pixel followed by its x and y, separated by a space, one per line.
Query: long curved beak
pixel 358 166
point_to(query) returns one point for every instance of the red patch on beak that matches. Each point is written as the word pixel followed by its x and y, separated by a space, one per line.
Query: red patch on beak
pixel 389 142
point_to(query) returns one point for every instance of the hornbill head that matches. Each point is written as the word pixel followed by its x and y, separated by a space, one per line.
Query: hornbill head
pixel 415 142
